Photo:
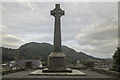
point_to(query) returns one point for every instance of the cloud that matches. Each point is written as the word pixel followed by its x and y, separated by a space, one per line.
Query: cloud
pixel 88 27
pixel 99 38
pixel 11 41
pixel 39 37
pixel 98 34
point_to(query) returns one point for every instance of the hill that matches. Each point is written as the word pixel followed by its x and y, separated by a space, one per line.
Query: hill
pixel 8 54
pixel 35 50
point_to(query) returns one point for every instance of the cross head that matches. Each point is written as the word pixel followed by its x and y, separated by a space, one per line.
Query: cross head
pixel 57 12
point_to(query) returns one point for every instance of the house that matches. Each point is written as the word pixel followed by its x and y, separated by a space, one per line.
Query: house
pixel 27 64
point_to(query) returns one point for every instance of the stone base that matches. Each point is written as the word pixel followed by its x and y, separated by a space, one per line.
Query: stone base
pixel 67 70
pixel 56 61
pixel 74 73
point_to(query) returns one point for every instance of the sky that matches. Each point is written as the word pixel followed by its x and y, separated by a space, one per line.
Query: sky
pixel 89 27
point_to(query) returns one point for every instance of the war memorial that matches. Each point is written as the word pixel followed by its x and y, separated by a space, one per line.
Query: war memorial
pixel 57 59
pixel 57 65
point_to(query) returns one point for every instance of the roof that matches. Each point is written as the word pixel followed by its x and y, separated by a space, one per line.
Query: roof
pixel 21 63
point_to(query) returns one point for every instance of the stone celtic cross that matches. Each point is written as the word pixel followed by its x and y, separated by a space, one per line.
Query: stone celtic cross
pixel 57 59
pixel 57 13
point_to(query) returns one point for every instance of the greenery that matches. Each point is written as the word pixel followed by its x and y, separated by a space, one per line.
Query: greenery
pixel 8 54
pixel 41 51
pixel 89 64
pixel 116 58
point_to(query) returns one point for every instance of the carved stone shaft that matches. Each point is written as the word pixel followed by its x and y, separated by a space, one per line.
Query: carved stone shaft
pixel 57 13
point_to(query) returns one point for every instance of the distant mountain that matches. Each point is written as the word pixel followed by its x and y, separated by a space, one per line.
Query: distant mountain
pixel 42 50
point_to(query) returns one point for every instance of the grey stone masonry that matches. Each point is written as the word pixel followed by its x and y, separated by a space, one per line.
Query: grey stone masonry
pixel 57 59
pixel 57 13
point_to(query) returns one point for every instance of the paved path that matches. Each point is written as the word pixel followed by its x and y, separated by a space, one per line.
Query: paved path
pixel 24 74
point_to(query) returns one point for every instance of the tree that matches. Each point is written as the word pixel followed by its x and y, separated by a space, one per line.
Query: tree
pixel 116 58
pixel 89 64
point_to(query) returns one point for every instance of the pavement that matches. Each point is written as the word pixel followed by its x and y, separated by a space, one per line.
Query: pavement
pixel 25 74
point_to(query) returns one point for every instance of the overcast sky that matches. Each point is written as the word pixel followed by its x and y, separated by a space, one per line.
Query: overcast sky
pixel 87 27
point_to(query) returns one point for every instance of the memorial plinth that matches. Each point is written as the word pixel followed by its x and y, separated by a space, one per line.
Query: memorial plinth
pixel 57 61
pixel 74 73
